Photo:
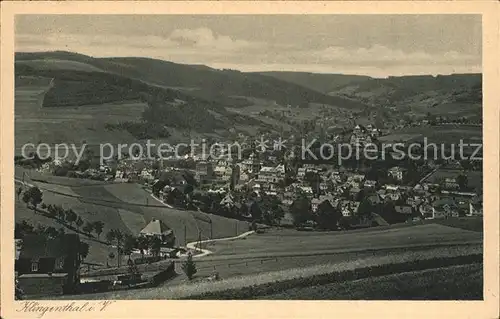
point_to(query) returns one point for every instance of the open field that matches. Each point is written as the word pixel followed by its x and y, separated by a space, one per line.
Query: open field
pixel 399 137
pixel 447 134
pixel 58 64
pixel 312 112
pixel 333 271
pixel 126 207
pixel 129 208
pixel 194 222
pixel 432 284
pixel 467 223
pixel 52 181
pixel 69 124
pixel 283 242
pixel 235 266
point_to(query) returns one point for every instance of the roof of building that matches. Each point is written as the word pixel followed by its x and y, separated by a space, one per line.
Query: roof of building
pixel 227 200
pixel 444 201
pixel 396 168
pixel 307 189
pixel 391 187
pixel 40 246
pixel 355 190
pixel 156 227
pixel 374 199
pixel 316 201
pixel 267 169
pixel 220 169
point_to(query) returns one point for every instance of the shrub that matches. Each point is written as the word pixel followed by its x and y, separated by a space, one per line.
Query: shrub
pixel 189 267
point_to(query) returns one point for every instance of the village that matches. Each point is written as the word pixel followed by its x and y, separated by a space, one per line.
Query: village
pixel 395 190
pixel 244 157
pixel 271 184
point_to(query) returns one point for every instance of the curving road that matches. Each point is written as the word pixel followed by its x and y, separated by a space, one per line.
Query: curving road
pixel 193 245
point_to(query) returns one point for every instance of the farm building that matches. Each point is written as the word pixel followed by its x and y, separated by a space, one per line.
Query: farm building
pixel 157 228
pixel 48 266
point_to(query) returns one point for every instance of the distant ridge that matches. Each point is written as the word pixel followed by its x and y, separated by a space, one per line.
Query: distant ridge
pixel 320 82
pixel 209 83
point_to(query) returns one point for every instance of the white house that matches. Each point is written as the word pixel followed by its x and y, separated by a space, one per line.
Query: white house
pixel 397 173
pixel 370 184
pixel 147 174
pixel 349 208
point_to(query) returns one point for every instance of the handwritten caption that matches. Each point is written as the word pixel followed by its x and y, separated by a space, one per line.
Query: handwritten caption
pixel 42 309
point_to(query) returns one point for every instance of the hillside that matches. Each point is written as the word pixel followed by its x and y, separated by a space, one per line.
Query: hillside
pixel 148 99
pixel 459 94
pixel 419 90
pixel 168 74
pixel 153 99
pixel 126 207
pixel 324 83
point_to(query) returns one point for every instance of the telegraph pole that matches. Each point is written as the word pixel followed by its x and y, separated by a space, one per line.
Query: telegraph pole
pixel 185 235
pixel 199 241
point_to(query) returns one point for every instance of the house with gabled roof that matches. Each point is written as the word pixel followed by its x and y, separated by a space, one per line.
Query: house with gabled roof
pixel 48 266
pixel 157 228
pixel 315 202
pixel 227 201
pixel 307 190
pixel 301 173
pixel 391 188
pixel 444 208
pixel 349 208
pixel 397 172
pixel 370 184
pixel 375 199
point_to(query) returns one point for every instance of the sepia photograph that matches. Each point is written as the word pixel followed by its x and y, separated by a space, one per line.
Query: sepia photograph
pixel 247 157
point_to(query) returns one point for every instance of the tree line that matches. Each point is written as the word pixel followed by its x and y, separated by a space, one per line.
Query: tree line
pixel 33 197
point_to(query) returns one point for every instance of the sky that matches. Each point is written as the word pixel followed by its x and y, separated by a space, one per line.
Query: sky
pixel 374 45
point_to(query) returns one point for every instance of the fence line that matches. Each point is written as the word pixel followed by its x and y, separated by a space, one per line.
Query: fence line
pixel 233 264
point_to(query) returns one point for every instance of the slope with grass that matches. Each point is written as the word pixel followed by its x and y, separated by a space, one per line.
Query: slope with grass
pixel 445 137
pixel 290 242
pixel 168 74
pixel 462 282
pixel 98 252
pixel 58 64
pixel 267 283
pixel 34 123
pixel 324 83
pixel 104 107
pixel 445 95
pixel 126 207
pixel 189 98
